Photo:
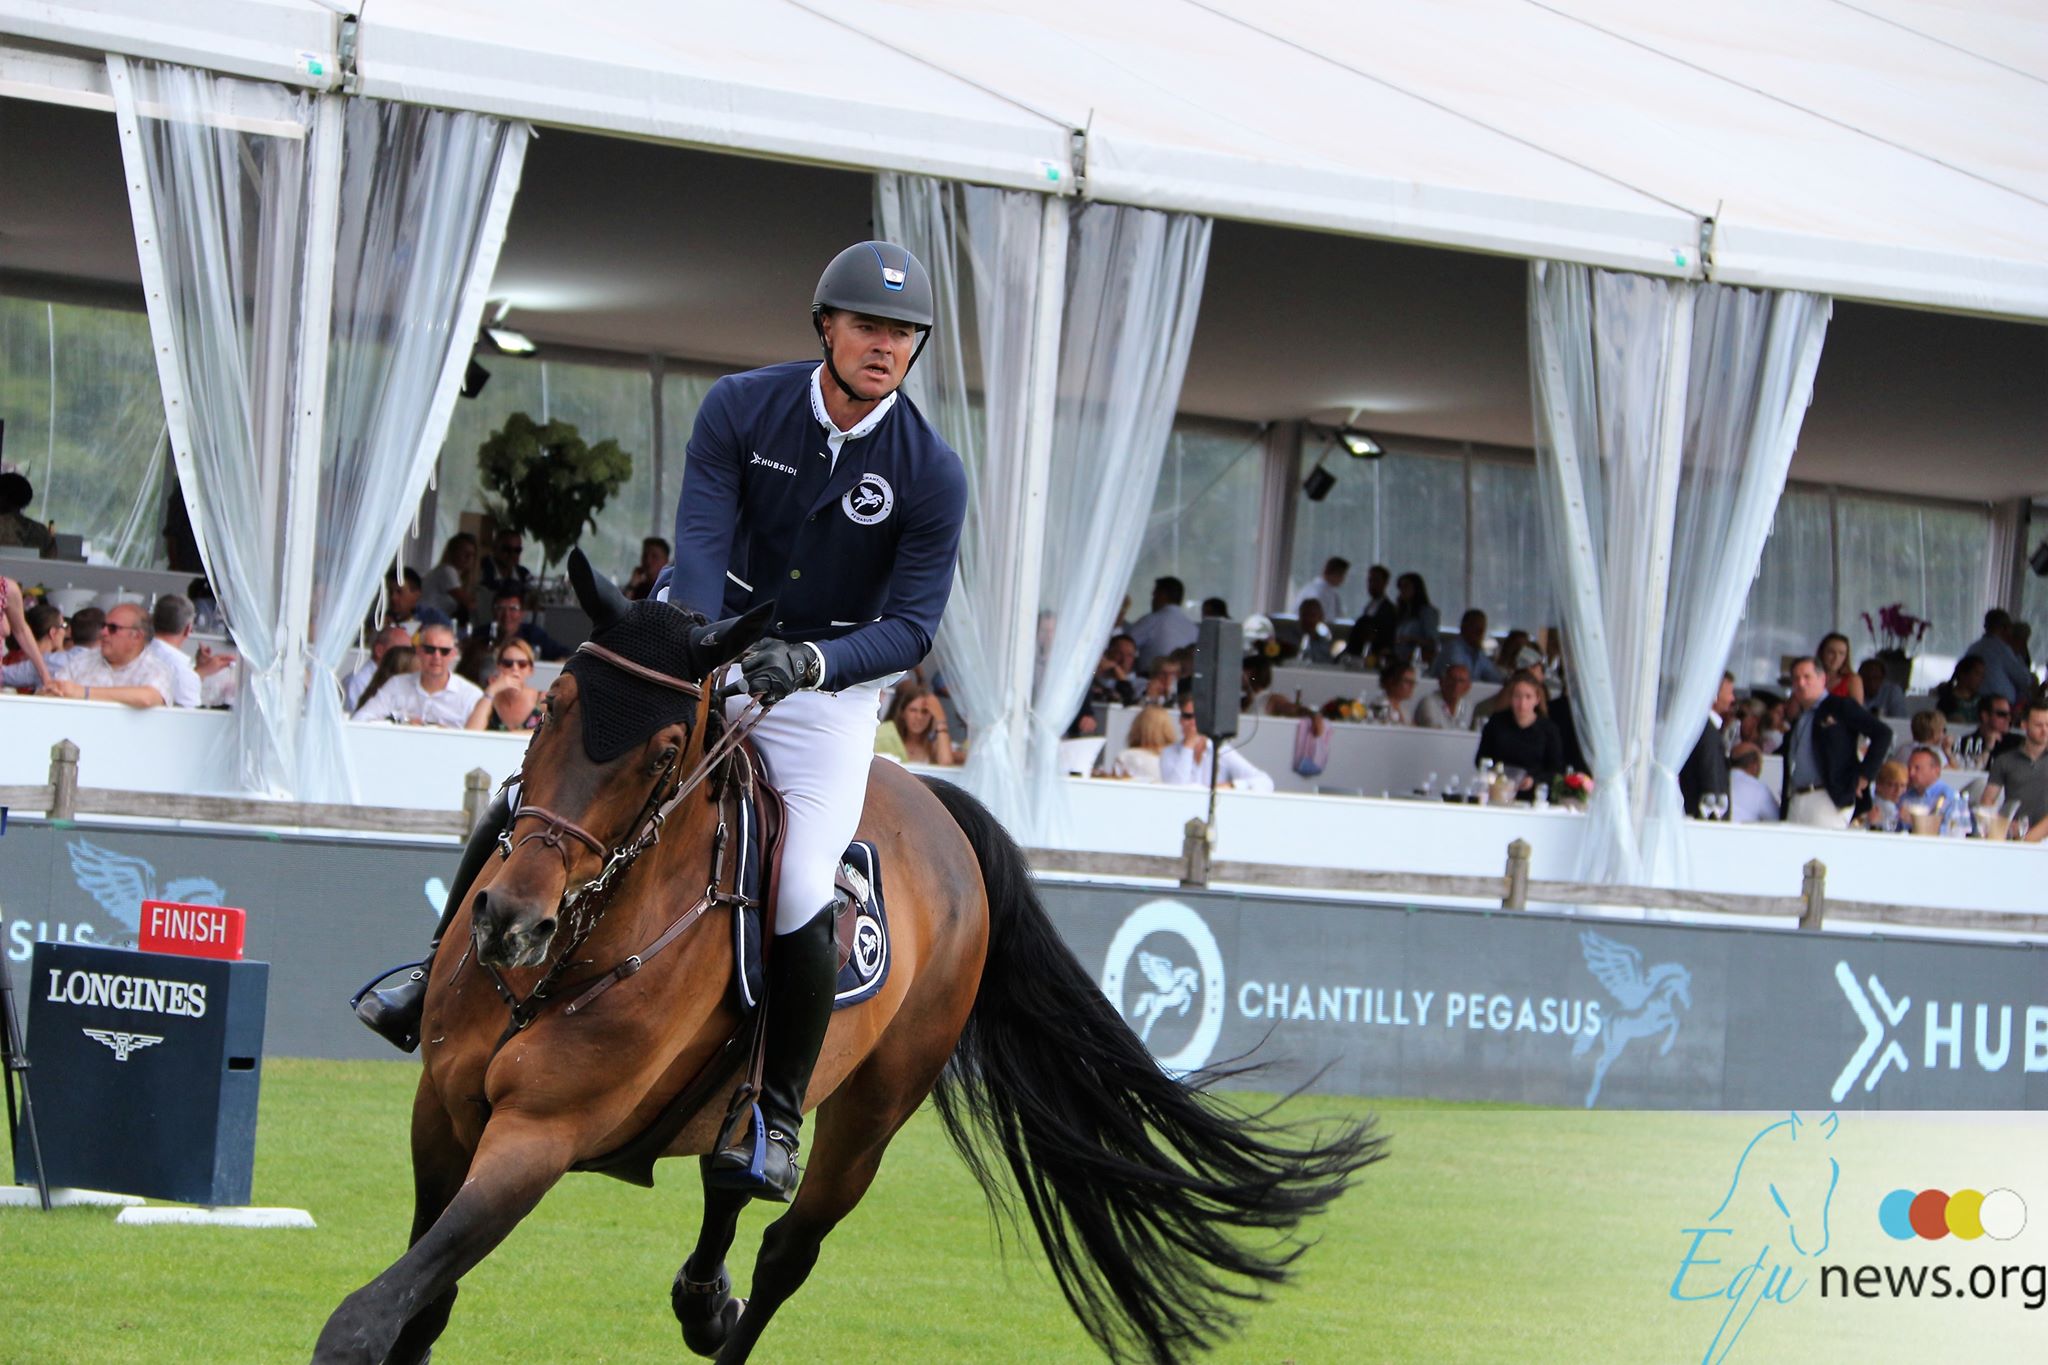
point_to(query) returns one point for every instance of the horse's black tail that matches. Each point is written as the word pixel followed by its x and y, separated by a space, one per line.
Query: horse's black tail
pixel 1139 1185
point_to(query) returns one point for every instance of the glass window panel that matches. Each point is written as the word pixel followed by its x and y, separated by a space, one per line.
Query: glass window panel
pixel 1790 604
pixel 1511 574
pixel 1930 558
pixel 2034 591
pixel 1204 527
pixel 1346 522
pixel 1422 525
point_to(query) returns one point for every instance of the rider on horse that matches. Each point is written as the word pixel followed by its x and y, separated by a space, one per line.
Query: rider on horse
pixel 821 488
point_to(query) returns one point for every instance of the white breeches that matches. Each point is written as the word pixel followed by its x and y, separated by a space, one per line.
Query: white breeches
pixel 817 747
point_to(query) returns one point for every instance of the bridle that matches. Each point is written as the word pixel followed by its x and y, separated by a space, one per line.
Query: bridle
pixel 582 907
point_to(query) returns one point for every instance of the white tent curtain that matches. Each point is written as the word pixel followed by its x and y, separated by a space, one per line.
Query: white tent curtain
pixel 1754 353
pixel 424 199
pixel 982 248
pixel 1666 415
pixel 221 207
pixel 1134 284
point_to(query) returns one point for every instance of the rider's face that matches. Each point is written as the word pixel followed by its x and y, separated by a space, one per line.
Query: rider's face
pixel 871 354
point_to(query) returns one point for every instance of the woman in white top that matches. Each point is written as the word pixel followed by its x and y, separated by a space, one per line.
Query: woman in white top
pixel 1152 731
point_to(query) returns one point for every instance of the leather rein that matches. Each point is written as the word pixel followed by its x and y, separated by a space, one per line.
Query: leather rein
pixel 583 907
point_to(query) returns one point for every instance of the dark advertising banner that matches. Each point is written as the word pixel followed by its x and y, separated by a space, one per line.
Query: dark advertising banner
pixel 1542 1009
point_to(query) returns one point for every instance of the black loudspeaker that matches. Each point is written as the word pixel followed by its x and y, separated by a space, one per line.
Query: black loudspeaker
pixel 1318 484
pixel 2039 560
pixel 1219 676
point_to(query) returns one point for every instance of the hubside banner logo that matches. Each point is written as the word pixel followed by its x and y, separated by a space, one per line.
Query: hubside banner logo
pixel 1941 1035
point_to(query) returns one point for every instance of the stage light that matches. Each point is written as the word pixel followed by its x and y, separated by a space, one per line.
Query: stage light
pixel 1358 445
pixel 509 341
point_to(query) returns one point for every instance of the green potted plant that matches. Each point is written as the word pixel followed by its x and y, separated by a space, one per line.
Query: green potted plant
pixel 548 481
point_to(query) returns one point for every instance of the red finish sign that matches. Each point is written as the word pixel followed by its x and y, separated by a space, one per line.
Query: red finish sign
pixel 191 930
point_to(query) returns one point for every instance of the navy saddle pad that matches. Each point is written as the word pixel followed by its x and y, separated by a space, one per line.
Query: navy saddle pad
pixel 861 922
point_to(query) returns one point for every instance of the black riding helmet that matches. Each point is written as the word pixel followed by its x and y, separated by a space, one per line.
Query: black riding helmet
pixel 882 280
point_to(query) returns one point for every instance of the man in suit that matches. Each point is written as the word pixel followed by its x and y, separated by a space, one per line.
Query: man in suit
pixel 1373 631
pixel 1706 771
pixel 1823 776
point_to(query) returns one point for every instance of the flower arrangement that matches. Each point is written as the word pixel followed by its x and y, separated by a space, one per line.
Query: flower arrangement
pixel 1895 629
pixel 1337 708
pixel 1572 787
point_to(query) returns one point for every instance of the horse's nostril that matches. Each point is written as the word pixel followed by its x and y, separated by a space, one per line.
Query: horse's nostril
pixel 544 929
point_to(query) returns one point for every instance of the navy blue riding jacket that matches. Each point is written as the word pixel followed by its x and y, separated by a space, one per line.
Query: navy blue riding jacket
pixel 858 557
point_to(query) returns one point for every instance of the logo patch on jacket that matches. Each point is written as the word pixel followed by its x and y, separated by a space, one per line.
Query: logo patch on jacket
pixel 776 465
pixel 869 501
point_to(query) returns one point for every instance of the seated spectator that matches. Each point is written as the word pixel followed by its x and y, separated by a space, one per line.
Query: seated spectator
pixel 1992 737
pixel 1416 622
pixel 357 684
pixel 172 620
pixel 433 696
pixel 1397 703
pixel 2005 675
pixel 1484 711
pixel 1215 607
pixel 1832 653
pixel 1152 734
pixel 46 631
pixel 1958 697
pixel 2021 774
pixel 1883 812
pixel 921 725
pixel 83 633
pixel 1116 675
pixel 654 557
pixel 1166 627
pixel 1518 651
pixel 17 528
pixel 1926 789
pixel 510 700
pixel 1469 649
pixel 450 587
pixel 1316 640
pixel 397 660
pixel 1187 763
pixel 501 568
pixel 14 622
pixel 1750 799
pixel 1372 630
pixel 1257 697
pixel 1886 698
pixel 1521 737
pixel 1162 685
pixel 1450 706
pixel 1929 727
pixel 509 620
pixel 1761 721
pixel 124 670
pixel 402 604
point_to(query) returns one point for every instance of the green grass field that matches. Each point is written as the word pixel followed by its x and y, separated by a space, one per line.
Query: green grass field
pixel 1490 1233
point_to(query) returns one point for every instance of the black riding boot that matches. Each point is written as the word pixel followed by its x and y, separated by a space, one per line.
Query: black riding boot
pixel 394 1013
pixel 803 971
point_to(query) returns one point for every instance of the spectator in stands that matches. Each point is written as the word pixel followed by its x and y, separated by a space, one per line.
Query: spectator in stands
pixel 1749 799
pixel 1166 627
pixel 1416 622
pixel 1316 639
pixel 1483 711
pixel 1450 706
pixel 17 528
pixel 1215 607
pixel 2020 635
pixel 1833 655
pixel 1372 632
pixel 1958 697
pixel 1519 737
pixel 1822 776
pixel 2021 774
pixel 1324 587
pixel 1882 815
pixel 510 621
pixel 45 629
pixel 1152 734
pixel 124 670
pixel 172 620
pixel 501 567
pixel 1397 701
pixel 398 660
pixel 1469 649
pixel 921 724
pixel 654 557
pixel 510 700
pixel 1882 696
pixel 402 604
pixel 2004 674
pixel 450 588
pixel 1992 737
pixel 1162 685
pixel 1186 764
pixel 1755 723
pixel 14 622
pixel 1705 772
pixel 1518 651
pixel 434 695
pixel 1256 696
pixel 355 687
pixel 1116 676
pixel 1926 789
pixel 83 634
pixel 1929 727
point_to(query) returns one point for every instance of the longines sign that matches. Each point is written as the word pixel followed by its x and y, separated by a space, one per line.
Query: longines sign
pixel 1358 999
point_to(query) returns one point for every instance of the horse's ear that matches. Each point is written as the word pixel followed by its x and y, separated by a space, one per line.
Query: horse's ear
pixel 723 641
pixel 597 595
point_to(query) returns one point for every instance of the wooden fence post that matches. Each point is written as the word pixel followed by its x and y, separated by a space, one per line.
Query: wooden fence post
pixel 476 796
pixel 63 780
pixel 1813 891
pixel 1194 854
pixel 1517 897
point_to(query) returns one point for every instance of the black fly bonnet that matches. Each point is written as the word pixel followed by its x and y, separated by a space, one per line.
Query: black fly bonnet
pixel 621 709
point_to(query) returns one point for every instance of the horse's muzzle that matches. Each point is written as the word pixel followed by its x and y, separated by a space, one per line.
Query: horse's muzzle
pixel 511 933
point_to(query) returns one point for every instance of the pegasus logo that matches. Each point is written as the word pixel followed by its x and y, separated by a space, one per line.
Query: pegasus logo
pixel 123 1044
pixel 1892 1055
pixel 1172 987
pixel 121 883
pixel 1645 1000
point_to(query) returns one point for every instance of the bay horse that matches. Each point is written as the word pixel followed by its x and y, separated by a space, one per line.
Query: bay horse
pixel 621 1027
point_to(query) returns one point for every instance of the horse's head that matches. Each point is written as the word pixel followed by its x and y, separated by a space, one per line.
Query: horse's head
pixel 619 729
pixel 1670 979
pixel 1788 1176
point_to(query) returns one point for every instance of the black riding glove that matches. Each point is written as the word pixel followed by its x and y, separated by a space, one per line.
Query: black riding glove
pixel 775 668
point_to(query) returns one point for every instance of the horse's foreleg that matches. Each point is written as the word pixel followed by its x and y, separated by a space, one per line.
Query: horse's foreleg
pixel 517 1162
pixel 702 1293
pixel 439 1163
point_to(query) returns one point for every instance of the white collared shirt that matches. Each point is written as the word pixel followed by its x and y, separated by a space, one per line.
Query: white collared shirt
pixel 834 437
pixel 184 677
pixel 402 698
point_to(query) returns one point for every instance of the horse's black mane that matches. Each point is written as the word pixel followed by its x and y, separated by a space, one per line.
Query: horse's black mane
pixel 620 710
